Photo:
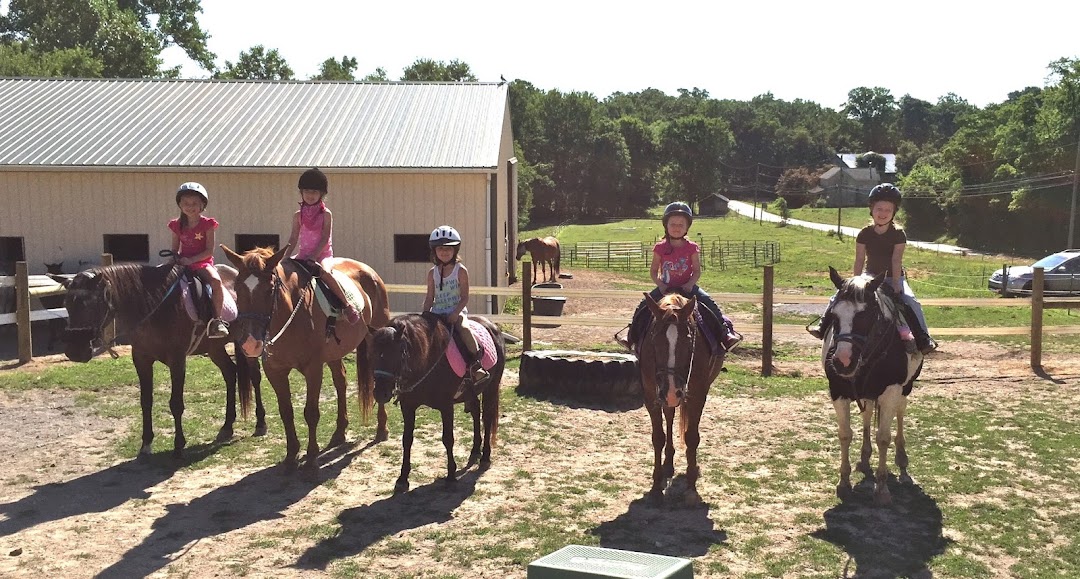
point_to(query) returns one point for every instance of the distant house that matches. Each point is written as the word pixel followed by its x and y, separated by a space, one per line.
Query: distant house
pixel 715 204
pixel 847 185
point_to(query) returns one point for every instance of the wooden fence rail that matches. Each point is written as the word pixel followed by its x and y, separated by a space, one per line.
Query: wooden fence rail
pixel 527 319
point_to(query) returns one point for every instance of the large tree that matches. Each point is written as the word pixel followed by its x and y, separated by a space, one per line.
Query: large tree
pixel 427 70
pixel 333 69
pixel 875 108
pixel 695 147
pixel 257 63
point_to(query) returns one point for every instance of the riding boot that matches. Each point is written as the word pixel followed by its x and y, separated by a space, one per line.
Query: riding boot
pixel 477 374
pixel 923 342
pixel 818 330
pixel 638 324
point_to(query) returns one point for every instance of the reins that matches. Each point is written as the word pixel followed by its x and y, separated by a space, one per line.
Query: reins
pixel 397 378
pixel 266 319
pixel 870 358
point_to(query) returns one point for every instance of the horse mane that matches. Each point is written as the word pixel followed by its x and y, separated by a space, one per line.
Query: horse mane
pixel 255 259
pixel 855 289
pixel 137 290
pixel 422 333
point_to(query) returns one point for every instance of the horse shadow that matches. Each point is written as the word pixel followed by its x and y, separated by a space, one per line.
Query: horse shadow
pixel 365 525
pixel 895 541
pixel 671 529
pixel 97 492
pixel 218 512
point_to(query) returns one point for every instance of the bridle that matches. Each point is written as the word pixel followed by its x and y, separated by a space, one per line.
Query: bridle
pixel 881 336
pixel 261 322
pixel 663 373
pixel 397 377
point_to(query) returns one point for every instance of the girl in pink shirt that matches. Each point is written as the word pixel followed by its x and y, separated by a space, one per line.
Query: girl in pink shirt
pixel 313 234
pixel 193 246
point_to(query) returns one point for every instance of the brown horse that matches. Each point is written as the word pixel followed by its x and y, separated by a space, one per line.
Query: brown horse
pixel 543 251
pixel 275 298
pixel 677 369
pixel 410 363
pixel 145 302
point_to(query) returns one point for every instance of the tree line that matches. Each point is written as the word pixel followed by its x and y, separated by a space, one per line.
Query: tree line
pixel 996 177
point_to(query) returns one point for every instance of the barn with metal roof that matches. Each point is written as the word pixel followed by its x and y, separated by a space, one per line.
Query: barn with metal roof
pixel 91 166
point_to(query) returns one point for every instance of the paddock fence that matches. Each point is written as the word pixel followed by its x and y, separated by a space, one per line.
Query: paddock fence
pixel 528 320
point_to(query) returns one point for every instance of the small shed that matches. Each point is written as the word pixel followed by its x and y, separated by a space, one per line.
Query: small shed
pixel 91 165
pixel 715 204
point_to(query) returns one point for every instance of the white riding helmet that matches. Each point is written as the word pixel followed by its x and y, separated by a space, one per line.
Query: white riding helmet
pixel 193 187
pixel 444 235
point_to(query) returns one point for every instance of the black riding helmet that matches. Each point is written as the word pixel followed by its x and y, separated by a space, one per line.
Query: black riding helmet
pixel 313 179
pixel 678 208
pixel 884 192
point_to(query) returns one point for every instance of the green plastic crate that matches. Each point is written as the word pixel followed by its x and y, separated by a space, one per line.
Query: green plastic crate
pixel 580 562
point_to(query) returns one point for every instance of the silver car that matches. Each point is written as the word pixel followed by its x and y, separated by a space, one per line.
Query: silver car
pixel 1061 275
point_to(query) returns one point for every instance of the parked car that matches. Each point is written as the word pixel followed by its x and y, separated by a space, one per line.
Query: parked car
pixel 1061 275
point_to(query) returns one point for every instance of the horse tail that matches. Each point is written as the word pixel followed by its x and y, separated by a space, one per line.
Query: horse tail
pixel 365 379
pixel 243 381
pixel 492 391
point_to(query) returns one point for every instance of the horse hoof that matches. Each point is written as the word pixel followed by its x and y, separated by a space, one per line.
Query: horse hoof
pixel 336 440
pixel 224 436
pixel 843 492
pixel 656 497
pixel 905 479
pixel 260 431
pixel 402 486
pixel 692 498
pixel 145 451
pixel 882 499
pixel 381 436
pixel 485 462
pixel 289 465
pixel 178 453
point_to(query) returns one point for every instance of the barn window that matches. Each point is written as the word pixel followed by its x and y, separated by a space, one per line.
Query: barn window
pixel 11 250
pixel 128 246
pixel 249 241
pixel 411 247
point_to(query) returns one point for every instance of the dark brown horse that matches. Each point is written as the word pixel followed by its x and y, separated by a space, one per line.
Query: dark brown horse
pixel 677 368
pixel 544 252
pixel 145 303
pixel 281 320
pixel 410 363
pixel 56 325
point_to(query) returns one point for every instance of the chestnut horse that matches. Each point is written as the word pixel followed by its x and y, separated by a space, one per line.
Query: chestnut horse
pixel 543 251
pixel 410 363
pixel 677 368
pixel 281 320
pixel 866 362
pixel 145 303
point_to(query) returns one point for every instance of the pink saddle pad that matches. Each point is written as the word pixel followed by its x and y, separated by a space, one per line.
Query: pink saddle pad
pixel 453 353
pixel 228 305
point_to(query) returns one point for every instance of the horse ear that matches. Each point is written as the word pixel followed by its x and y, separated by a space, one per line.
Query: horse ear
pixel 236 259
pixel 688 310
pixel 876 283
pixel 275 259
pixel 654 307
pixel 60 280
pixel 835 276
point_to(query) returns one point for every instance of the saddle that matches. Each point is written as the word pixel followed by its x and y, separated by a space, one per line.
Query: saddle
pixel 326 298
pixel 711 328
pixel 197 297
pixel 456 348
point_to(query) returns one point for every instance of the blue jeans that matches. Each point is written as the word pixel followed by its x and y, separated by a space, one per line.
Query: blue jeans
pixel 641 313
pixel 907 298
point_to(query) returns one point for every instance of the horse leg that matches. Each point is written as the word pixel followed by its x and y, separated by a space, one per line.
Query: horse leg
pixel 475 455
pixel 337 372
pixel 313 376
pixel 888 405
pixel 365 381
pixel 255 378
pixel 447 413
pixel 178 373
pixel 279 379
pixel 669 446
pixel 229 372
pixel 656 493
pixel 144 367
pixel 867 446
pixel 690 420
pixel 842 406
pixel 901 447
pixel 408 418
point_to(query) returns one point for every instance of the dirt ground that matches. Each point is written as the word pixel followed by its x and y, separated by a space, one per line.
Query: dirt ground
pixel 65 512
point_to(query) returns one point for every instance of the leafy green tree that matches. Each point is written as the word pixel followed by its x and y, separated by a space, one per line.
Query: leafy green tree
pixel 876 109
pixel 18 60
pixel 378 76
pixel 695 146
pixel 257 63
pixel 915 121
pixel 640 191
pixel 333 69
pixel 606 177
pixel 427 70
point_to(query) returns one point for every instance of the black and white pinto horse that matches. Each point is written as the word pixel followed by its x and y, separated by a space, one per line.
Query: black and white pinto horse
pixel 866 362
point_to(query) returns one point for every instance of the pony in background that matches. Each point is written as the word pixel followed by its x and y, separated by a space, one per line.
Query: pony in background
pixel 544 252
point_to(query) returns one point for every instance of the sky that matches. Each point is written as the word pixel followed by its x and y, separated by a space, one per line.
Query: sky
pixel 810 50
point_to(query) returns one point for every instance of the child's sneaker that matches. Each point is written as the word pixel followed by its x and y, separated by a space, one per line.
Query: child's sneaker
pixel 480 376
pixel 351 315
pixel 217 328
pixel 905 333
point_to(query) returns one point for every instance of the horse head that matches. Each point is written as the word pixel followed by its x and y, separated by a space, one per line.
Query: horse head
pixel 256 284
pixel 857 326
pixel 390 349
pixel 89 310
pixel 670 342
pixel 521 249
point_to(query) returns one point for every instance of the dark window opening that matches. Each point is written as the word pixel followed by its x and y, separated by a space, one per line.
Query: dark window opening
pixel 249 241
pixel 411 248
pixel 128 246
pixel 11 250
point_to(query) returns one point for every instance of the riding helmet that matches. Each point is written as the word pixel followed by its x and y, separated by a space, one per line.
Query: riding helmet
pixel 313 179
pixel 678 208
pixel 884 192
pixel 444 235
pixel 193 187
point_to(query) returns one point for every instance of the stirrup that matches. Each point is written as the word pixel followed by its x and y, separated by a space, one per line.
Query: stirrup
pixel 735 339
pixel 814 329
pixel 624 342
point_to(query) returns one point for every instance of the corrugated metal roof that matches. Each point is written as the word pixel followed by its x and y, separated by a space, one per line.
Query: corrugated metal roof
pixel 207 123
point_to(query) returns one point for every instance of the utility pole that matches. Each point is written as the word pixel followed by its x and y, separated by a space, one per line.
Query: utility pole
pixel 757 174
pixel 1076 181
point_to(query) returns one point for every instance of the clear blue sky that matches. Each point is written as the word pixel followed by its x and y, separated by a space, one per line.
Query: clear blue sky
pixel 816 51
